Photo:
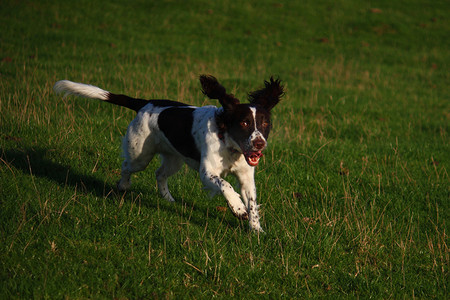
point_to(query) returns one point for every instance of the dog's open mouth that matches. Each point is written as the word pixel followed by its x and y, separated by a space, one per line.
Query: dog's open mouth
pixel 252 157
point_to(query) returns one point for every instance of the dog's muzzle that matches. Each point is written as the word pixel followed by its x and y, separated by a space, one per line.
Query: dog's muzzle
pixel 253 155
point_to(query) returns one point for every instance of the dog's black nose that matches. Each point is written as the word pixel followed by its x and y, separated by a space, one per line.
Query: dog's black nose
pixel 259 144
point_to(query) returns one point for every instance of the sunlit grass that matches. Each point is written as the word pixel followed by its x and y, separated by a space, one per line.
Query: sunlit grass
pixel 354 185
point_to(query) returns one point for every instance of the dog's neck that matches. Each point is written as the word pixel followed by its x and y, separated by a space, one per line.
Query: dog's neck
pixel 221 130
pixel 220 125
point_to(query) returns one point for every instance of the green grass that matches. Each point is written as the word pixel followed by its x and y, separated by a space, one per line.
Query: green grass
pixel 354 186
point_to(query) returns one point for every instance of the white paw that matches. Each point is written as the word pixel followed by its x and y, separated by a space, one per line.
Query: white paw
pixel 240 213
pixel 256 228
pixel 237 207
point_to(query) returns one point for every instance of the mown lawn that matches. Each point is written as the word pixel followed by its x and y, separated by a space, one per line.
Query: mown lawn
pixel 354 186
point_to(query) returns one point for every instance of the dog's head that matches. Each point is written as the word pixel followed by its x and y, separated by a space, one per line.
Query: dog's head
pixel 247 125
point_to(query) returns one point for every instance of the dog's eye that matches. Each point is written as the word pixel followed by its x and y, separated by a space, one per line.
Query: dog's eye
pixel 244 124
pixel 265 124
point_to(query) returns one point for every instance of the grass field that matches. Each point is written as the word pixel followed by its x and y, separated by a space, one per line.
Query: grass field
pixel 354 186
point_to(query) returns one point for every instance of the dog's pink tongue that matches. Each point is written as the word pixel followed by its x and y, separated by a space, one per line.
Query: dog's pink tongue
pixel 252 157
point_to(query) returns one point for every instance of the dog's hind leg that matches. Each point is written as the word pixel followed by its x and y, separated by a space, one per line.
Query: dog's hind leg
pixel 138 151
pixel 170 164
pixel 129 167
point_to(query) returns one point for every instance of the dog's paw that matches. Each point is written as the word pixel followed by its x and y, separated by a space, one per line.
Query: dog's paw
pixel 236 206
pixel 168 197
pixel 123 186
pixel 256 228
pixel 239 213
pixel 254 223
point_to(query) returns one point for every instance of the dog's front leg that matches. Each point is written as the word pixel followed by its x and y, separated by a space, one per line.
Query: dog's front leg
pixel 253 213
pixel 248 191
pixel 215 184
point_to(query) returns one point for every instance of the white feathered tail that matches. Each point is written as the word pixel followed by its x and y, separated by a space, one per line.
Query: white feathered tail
pixel 80 89
pixel 89 91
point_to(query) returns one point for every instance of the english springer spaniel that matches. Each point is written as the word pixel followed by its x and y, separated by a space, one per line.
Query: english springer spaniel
pixel 214 141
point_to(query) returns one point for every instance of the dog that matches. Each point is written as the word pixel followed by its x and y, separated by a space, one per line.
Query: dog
pixel 213 140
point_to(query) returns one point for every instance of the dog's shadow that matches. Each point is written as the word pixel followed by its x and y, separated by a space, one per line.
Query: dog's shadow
pixel 35 161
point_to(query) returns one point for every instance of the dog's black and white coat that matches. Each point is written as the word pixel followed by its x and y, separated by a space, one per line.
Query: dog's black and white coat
pixel 214 141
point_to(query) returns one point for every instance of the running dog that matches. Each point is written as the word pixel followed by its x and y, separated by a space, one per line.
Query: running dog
pixel 212 140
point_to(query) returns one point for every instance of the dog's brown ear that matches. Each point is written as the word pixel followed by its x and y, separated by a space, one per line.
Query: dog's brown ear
pixel 269 96
pixel 214 90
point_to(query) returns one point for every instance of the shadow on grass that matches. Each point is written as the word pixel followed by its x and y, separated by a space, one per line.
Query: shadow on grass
pixel 35 161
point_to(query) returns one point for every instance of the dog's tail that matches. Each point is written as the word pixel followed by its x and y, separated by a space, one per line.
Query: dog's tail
pixel 89 91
